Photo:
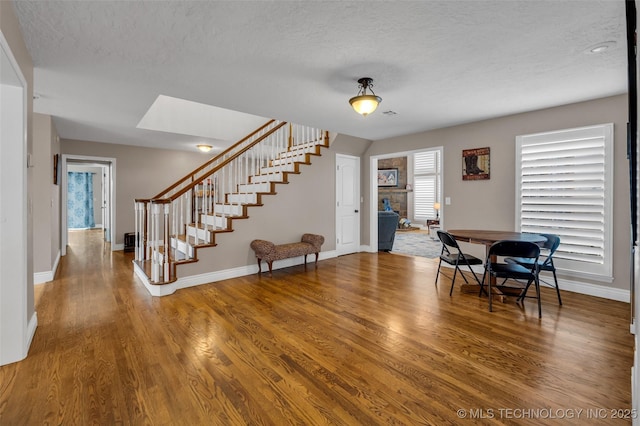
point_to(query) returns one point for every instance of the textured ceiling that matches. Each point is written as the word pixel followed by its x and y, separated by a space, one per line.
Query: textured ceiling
pixel 99 65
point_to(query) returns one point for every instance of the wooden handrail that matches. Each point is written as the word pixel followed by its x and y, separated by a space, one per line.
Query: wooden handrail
pixel 219 166
pixel 223 153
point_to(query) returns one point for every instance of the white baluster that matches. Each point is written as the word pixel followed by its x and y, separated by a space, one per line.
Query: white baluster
pixel 149 219
pixel 166 257
pixel 215 179
pixel 222 196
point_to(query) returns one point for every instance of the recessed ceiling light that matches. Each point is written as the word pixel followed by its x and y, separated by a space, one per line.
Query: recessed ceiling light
pixel 600 47
pixel 204 148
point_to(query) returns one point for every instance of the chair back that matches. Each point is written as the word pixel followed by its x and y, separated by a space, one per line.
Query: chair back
pixel 448 240
pixel 552 243
pixel 510 248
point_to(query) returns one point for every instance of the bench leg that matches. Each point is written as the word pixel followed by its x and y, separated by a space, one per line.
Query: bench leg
pixel 316 259
pixel 260 266
pixel 270 267
pixel 305 261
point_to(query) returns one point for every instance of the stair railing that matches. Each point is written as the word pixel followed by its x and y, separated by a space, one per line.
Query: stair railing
pixel 189 212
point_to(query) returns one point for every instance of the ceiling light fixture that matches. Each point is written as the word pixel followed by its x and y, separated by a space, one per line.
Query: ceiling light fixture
pixel 204 148
pixel 363 103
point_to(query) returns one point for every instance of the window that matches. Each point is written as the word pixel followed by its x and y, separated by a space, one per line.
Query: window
pixel 426 184
pixel 564 186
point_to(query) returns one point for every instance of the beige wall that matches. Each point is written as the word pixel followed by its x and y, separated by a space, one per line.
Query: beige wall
pixel 46 195
pixel 140 173
pixel 350 145
pixel 305 204
pixel 11 31
pixel 490 204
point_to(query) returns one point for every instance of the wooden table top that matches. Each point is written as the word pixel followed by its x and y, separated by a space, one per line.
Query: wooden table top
pixel 480 236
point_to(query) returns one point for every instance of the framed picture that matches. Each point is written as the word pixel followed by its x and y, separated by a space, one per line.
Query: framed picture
pixel 475 164
pixel 56 167
pixel 387 177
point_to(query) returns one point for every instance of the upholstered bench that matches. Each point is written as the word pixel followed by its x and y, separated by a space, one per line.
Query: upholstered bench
pixel 267 251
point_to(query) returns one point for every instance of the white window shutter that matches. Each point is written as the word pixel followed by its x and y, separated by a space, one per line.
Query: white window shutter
pixel 426 184
pixel 564 186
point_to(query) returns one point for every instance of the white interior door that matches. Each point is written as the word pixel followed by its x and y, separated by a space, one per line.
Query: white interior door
pixel 347 204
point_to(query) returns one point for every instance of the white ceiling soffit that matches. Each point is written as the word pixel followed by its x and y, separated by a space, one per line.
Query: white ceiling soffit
pixel 100 64
pixel 174 115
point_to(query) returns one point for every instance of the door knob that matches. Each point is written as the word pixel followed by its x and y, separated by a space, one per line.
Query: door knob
pixel 356 211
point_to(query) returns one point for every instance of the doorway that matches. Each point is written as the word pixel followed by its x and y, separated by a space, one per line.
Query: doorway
pixel 420 209
pixel 102 170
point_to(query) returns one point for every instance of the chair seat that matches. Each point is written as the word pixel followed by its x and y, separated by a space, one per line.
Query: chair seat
pixel 528 262
pixel 511 270
pixel 452 258
pixel 455 257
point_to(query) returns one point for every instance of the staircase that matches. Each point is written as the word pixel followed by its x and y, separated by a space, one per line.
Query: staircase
pixel 186 217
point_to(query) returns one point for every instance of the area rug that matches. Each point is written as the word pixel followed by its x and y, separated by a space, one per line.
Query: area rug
pixel 416 244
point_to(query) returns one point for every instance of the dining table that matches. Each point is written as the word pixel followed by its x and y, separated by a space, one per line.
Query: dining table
pixel 487 238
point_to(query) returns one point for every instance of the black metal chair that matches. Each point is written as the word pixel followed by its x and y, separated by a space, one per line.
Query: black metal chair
pixel 513 270
pixel 452 255
pixel 546 264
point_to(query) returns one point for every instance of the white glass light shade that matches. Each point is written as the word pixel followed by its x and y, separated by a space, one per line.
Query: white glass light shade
pixel 204 148
pixel 365 104
pixel 436 206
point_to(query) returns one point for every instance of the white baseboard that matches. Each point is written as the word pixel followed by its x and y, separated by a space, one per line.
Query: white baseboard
pixel 596 290
pixel 117 247
pixel 211 277
pixel 43 277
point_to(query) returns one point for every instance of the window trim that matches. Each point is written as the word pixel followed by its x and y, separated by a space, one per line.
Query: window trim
pixel 604 272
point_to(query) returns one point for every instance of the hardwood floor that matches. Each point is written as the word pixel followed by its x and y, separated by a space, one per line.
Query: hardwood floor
pixel 364 339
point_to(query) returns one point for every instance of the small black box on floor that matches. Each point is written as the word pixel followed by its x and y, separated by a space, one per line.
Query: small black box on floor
pixel 129 241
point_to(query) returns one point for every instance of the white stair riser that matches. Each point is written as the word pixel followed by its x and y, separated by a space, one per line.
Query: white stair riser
pixel 243 198
pixel 298 149
pixel 272 177
pixel 201 234
pixel 229 209
pixel 254 187
pixel 218 222
pixel 284 167
pixel 184 249
pixel 289 156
